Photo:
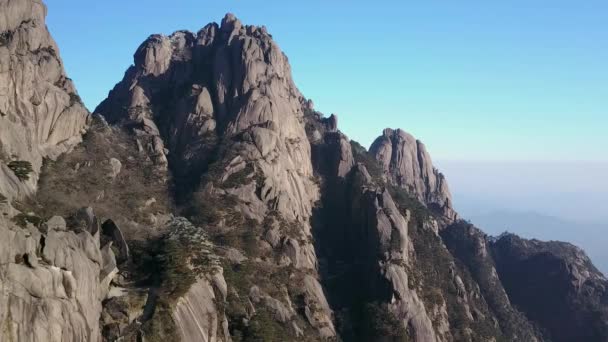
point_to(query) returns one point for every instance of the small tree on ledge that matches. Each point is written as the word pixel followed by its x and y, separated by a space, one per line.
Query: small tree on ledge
pixel 21 169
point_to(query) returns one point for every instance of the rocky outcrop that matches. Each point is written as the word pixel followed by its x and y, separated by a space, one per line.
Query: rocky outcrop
pixel 41 114
pixel 556 285
pixel 52 283
pixel 219 109
pixel 114 234
pixel 471 246
pixel 363 238
pixel 227 81
pixel 382 237
pixel 389 244
pixel 196 314
pixel 407 164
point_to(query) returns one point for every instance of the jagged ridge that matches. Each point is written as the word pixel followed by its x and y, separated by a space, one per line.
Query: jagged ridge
pixel 291 230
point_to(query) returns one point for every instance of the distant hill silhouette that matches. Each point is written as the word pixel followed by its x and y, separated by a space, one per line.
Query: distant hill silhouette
pixel 591 237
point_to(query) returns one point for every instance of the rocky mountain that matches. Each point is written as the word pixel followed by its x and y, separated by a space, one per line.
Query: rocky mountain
pixel 41 114
pixel 208 201
pixel 568 299
pixel 407 164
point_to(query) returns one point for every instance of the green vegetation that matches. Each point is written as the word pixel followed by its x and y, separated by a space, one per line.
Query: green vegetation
pixel 22 220
pixel 405 201
pixel 5 37
pixel 171 263
pixel 463 241
pixel 361 155
pixel 371 321
pixel 239 178
pixel 74 99
pixel 79 179
pixel 161 328
pixel 264 328
pixel 261 326
pixel 382 324
pixel 21 169
pixel 432 275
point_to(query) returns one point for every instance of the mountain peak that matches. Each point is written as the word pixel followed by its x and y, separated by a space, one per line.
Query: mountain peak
pixel 407 164
pixel 230 23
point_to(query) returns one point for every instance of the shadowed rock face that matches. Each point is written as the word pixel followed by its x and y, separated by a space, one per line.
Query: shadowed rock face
pixel 556 285
pixel 470 246
pixel 407 164
pixel 41 114
pixel 383 239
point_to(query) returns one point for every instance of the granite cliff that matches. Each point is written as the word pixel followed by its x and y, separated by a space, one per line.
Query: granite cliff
pixel 41 114
pixel 220 206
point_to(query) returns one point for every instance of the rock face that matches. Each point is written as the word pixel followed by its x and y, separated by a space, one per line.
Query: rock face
pixel 111 230
pixel 556 285
pixel 472 247
pixel 219 110
pixel 391 248
pixel 53 283
pixel 407 164
pixel 196 314
pixel 383 239
pixel 41 114
pixel 229 82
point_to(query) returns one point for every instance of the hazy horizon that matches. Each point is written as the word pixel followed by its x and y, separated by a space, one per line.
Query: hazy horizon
pixel 569 190
pixel 564 201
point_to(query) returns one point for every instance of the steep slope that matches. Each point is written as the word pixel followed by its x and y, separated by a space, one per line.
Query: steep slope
pixel 556 285
pixel 233 211
pixel 53 279
pixel 220 111
pixel 53 276
pixel 469 246
pixel 41 114
pixel 407 164
pixel 384 239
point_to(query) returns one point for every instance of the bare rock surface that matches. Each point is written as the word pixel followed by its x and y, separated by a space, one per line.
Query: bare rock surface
pixel 41 114
pixel 407 164
pixel 239 87
pixel 197 316
pixel 52 284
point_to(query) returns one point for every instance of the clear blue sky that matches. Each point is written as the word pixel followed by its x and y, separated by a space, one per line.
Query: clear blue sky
pixel 474 80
